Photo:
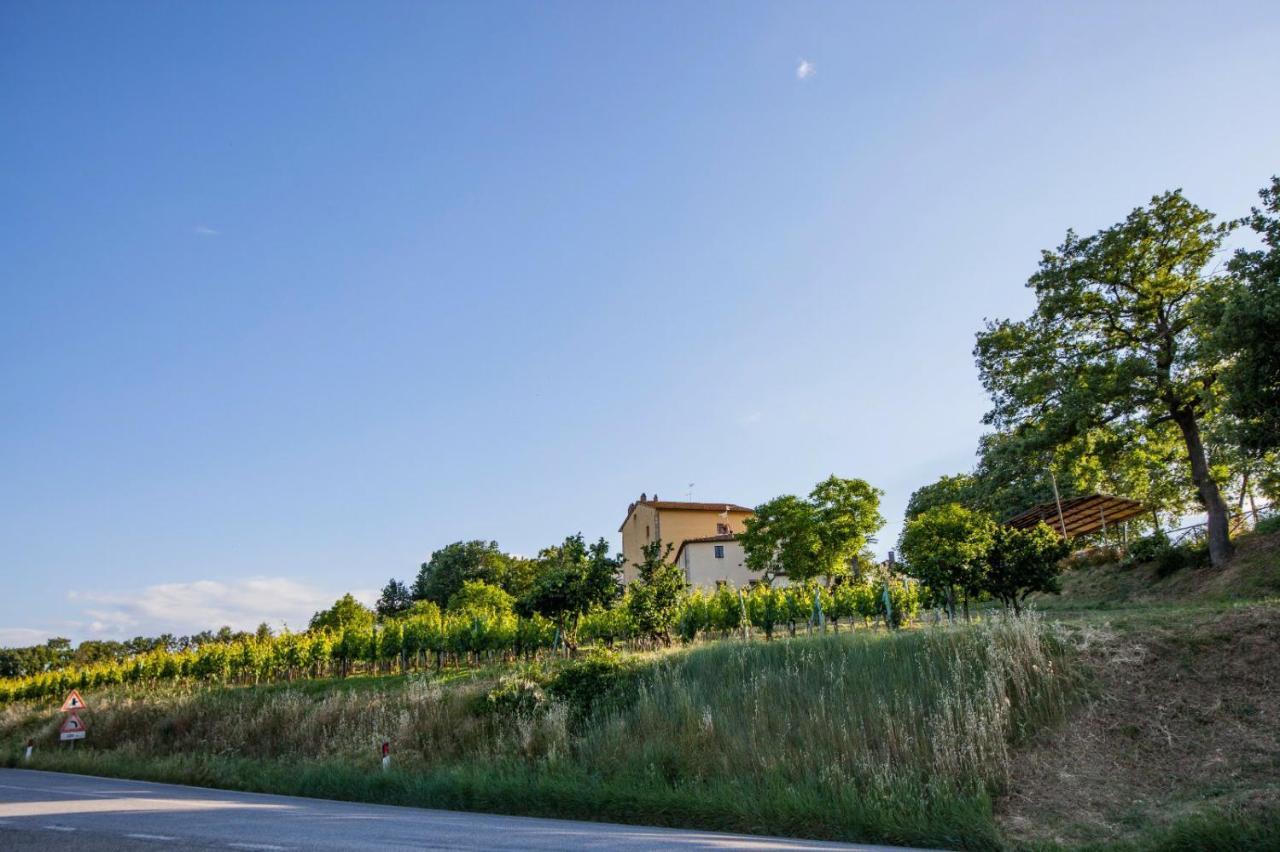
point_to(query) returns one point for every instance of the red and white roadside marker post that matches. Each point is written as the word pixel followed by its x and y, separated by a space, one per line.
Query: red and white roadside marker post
pixel 386 755
pixel 31 744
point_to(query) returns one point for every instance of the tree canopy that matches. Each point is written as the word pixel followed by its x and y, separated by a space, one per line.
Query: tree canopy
pixel 654 598
pixel 442 576
pixel 1119 339
pixel 347 613
pixel 1249 331
pixel 819 536
pixel 395 599
pixel 1022 561
pixel 572 579
pixel 946 547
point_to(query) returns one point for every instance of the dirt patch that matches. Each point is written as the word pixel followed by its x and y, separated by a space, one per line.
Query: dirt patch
pixel 1183 717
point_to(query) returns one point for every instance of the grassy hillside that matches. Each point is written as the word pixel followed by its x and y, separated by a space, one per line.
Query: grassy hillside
pixel 1253 574
pixel 1134 712
pixel 900 738
pixel 1178 746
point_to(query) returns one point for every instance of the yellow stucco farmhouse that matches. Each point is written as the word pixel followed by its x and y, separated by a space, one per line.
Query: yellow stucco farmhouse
pixel 703 536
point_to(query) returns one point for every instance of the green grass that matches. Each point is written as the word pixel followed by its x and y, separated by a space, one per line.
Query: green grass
pixel 898 738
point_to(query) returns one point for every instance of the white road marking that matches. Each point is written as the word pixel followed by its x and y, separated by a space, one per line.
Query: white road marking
pixel 57 828
pixel 151 836
pixel 266 847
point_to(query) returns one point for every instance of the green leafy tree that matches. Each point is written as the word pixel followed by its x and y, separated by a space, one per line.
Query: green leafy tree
pixel 477 598
pixel 1015 471
pixel 347 613
pixel 847 515
pixel 961 488
pixel 1118 336
pixel 394 600
pixel 946 547
pixel 654 599
pixel 780 537
pixel 1022 561
pixel 573 579
pixel 819 536
pixel 1249 332
pixel 449 567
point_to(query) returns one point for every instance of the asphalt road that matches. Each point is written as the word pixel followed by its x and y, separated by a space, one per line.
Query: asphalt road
pixel 52 810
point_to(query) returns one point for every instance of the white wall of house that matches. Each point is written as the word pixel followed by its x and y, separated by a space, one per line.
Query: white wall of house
pixel 704 568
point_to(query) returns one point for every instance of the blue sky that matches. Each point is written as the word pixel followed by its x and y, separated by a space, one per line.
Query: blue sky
pixel 295 294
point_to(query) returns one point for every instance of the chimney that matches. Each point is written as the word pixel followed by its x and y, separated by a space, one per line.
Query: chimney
pixel 643 498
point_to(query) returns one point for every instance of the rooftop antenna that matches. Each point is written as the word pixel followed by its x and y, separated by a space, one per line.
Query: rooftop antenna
pixel 689 493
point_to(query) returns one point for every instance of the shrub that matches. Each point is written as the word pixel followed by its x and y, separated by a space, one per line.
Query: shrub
pixel 1266 526
pixel 597 680
pixel 1146 549
pixel 516 697
pixel 1194 554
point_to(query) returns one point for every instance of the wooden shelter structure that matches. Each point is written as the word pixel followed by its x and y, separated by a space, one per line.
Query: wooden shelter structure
pixel 1081 515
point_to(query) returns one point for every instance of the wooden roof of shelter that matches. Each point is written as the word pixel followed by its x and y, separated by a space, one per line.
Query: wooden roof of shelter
pixel 1080 515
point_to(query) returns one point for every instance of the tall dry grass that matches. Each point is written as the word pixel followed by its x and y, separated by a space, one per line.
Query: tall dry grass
pixel 897 737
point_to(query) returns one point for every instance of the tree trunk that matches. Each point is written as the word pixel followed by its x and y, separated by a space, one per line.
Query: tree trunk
pixel 1219 533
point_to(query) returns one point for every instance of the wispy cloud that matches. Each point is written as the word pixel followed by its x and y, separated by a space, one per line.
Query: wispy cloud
pixel 21 637
pixel 805 69
pixel 753 417
pixel 205 231
pixel 204 605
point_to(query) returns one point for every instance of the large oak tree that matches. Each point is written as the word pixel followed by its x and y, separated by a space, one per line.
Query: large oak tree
pixel 1119 337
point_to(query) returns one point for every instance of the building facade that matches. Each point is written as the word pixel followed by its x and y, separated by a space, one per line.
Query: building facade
pixel 679 523
pixel 707 562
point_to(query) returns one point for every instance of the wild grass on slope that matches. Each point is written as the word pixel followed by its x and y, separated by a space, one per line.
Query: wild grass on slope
pixel 896 738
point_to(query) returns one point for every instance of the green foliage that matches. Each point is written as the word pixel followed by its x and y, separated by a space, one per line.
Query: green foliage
pixel 347 613
pixel 814 537
pixel 606 625
pixel 694 616
pixel 1146 549
pixel 516 697
pixel 1119 340
pixel 1022 561
pixel 961 488
pixel 1171 559
pixel 654 599
pixel 597 681
pixel 946 547
pixel 725 609
pixel 1248 331
pixel 1266 526
pixel 442 576
pixel 914 731
pixel 395 599
pixel 481 599
pixel 572 580
pixel 20 662
pixel 766 608
pixel 780 538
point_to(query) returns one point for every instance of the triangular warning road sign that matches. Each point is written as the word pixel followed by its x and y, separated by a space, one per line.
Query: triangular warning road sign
pixel 73 702
pixel 72 724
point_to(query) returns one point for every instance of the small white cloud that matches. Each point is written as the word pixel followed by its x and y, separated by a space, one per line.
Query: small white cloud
pixel 753 417
pixel 805 70
pixel 205 231
pixel 185 608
